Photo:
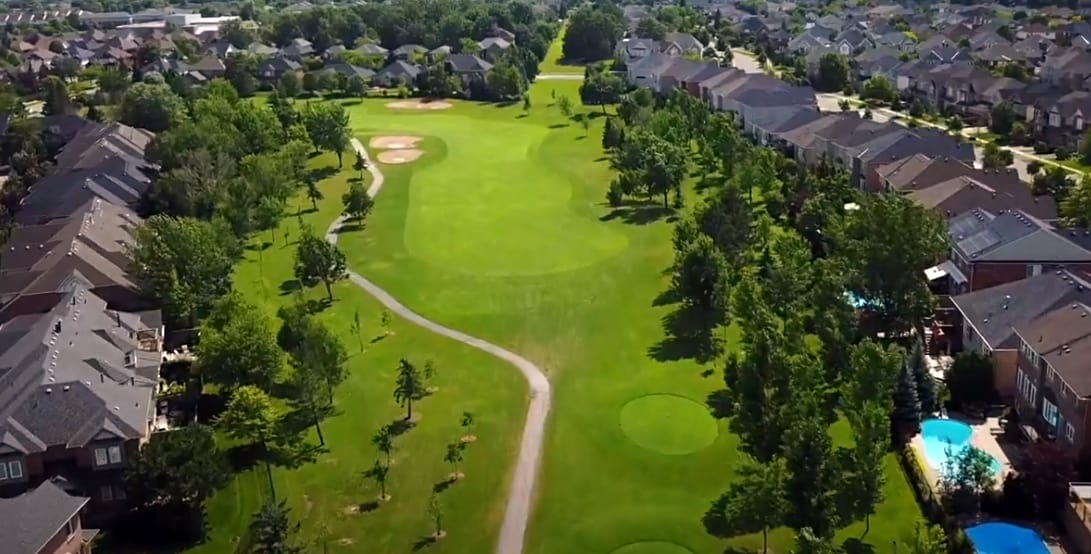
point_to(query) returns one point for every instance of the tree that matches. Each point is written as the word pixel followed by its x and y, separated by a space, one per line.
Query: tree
pixel 996 157
pixel 885 263
pixel 871 439
pixel 436 512
pixel 357 201
pixel 318 260
pixel 833 73
pixel 310 82
pixel 564 104
pixel 468 427
pixel 379 473
pixel 966 475
pixel 926 384
pixel 650 27
pixel 154 107
pixel 176 470
pixel 907 405
pixel 928 539
pixel 238 346
pixel 271 532
pixel 182 264
pixel 526 103
pixel 506 81
pixel 384 442
pixel 1044 473
pixel 356 86
pixel 601 88
pixel 454 457
pixel 1054 182
pixel 880 88
pixel 251 416
pixel 971 379
pixel 360 164
pixel 701 276
pixel 1001 119
pixel 585 122
pixel 327 126
pixel 408 386
pixel 808 455
pixel 1076 207
pixel 592 32
pixel 755 501
pixel 954 125
pixel 612 133
pixel 56 97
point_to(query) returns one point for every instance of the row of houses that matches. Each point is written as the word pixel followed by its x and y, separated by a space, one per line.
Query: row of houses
pixel 80 348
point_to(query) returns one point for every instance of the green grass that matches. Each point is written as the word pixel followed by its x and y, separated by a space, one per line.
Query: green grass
pixel 501 230
pixel 553 62
pixel 325 494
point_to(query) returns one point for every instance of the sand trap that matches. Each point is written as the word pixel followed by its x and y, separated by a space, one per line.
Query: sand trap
pixel 418 105
pixel 394 142
pixel 399 156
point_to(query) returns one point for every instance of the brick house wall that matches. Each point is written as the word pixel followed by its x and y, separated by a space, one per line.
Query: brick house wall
pixel 1072 409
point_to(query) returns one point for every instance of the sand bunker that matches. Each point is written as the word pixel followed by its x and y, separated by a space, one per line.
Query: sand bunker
pixel 394 142
pixel 403 156
pixel 418 105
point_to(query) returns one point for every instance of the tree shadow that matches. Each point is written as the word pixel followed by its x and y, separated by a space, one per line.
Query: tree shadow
pixel 349 228
pixel 689 336
pixel 290 287
pixel 378 338
pixel 423 542
pixel 558 126
pixel 581 137
pixel 637 215
pixel 595 115
pixel 523 115
pixel 443 485
pixel 857 546
pixel 719 402
pixel 400 426
pixel 321 173
pixel 352 102
pixel 667 297
pixel 243 456
pixel 602 159
pixel 368 507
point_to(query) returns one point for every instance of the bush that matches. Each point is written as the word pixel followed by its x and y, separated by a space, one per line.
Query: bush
pixel 1061 153
pixel 1034 166
pixel 1041 148
pixel 615 195
pixel 933 510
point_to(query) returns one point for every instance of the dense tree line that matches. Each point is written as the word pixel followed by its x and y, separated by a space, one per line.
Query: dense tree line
pixel 593 31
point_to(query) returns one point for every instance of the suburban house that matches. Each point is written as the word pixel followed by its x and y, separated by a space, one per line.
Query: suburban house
pixel 297 49
pixel 408 52
pixel 953 187
pixel 396 73
pixel 272 69
pixel 992 249
pixel 493 47
pixel 348 70
pixel 989 317
pixel 1053 377
pixel 681 44
pixel 45 520
pixel 78 394
pixel 467 67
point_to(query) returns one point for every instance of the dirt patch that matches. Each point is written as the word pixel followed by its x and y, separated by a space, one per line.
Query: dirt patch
pixel 397 142
pixel 351 510
pixel 419 105
pixel 399 156
pixel 345 541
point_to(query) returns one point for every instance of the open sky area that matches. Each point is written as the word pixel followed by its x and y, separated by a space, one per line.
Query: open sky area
pixel 501 230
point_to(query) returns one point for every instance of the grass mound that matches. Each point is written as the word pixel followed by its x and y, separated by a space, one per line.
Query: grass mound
pixel 668 424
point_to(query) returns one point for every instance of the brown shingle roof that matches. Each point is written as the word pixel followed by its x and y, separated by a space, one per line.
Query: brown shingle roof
pixel 1063 338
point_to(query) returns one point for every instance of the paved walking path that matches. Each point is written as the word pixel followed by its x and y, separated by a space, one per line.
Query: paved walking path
pixel 521 496
pixel 559 77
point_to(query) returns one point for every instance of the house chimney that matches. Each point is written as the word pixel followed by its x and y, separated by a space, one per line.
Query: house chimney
pixel 101 378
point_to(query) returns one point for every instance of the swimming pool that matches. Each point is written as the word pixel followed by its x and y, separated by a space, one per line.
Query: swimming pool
pixel 939 435
pixel 1005 538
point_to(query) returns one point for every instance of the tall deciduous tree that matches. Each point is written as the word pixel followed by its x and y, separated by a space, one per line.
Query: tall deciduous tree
pixel 238 346
pixel 154 107
pixel 808 454
pixel 357 201
pixel 183 264
pixel 327 127
pixel 316 260
pixel 755 501
pixel 593 30
pixel 833 73
pixel 408 386
pixel 701 277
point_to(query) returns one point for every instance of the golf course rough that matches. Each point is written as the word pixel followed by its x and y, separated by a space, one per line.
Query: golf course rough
pixel 668 424
pixel 653 547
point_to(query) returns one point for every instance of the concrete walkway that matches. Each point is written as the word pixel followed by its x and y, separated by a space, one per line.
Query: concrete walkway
pixel 521 496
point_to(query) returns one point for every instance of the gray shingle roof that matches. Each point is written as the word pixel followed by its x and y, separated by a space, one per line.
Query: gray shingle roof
pixel 1011 237
pixel 1063 338
pixel 28 521
pixel 993 312
pixel 468 63
pixel 72 375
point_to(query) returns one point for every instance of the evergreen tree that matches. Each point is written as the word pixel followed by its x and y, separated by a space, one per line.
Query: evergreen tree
pixel 272 532
pixel 926 384
pixel 907 405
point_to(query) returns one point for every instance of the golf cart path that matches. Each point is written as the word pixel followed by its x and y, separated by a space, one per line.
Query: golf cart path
pixel 524 482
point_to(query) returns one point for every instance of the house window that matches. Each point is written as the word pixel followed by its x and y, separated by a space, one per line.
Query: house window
pixel 15 469
pixel 115 454
pixel 70 527
pixel 1070 433
pixel 106 493
pixel 1050 413
pixel 3 472
pixel 1079 123
pixel 1054 120
pixel 101 457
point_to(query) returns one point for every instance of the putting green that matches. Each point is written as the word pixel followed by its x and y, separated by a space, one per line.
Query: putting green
pixel 653 547
pixel 490 203
pixel 668 424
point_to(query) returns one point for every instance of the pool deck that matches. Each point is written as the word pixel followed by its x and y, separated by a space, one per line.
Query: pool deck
pixel 983 436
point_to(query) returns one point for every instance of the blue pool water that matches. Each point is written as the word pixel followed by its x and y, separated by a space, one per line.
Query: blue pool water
pixel 939 435
pixel 1005 538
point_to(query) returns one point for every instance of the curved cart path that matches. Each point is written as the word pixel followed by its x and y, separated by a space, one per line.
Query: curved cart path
pixel 521 497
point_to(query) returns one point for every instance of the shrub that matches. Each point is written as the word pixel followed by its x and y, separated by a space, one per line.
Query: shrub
pixel 1041 148
pixel 1034 166
pixel 615 195
pixel 1061 153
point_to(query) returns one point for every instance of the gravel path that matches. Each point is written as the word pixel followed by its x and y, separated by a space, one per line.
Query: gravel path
pixel 521 496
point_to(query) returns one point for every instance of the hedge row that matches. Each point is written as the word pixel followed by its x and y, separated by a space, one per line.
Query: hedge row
pixel 957 541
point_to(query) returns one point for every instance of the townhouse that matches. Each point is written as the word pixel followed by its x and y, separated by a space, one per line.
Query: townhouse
pixel 45 520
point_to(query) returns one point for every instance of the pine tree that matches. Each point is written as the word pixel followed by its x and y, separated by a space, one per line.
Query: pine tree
pixel 926 384
pixel 907 406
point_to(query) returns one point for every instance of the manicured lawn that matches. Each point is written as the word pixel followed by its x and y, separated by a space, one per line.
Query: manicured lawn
pixel 501 230
pixel 553 63
pixel 327 494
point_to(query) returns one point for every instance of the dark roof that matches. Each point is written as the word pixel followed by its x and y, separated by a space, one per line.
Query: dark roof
pixel 399 68
pixel 349 70
pixel 372 49
pixel 29 520
pixel 407 49
pixel 76 374
pixel 468 63
pixel 994 311
pixel 1063 338
pixel 979 235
